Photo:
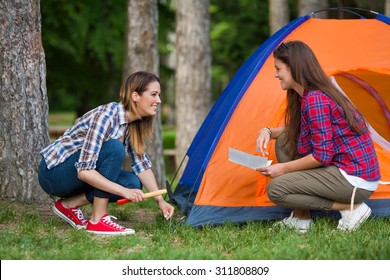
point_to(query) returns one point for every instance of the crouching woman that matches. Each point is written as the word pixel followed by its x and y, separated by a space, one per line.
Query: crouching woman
pixel 84 165
pixel 325 152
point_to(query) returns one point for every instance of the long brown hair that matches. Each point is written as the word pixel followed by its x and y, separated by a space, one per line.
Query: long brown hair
pixel 306 71
pixel 140 131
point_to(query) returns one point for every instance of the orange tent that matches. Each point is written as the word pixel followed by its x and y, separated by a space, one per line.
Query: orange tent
pixel 355 52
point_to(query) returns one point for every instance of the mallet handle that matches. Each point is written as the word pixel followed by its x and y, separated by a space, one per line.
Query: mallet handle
pixel 150 194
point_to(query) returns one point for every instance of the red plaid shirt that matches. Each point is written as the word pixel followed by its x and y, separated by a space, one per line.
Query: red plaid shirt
pixel 326 135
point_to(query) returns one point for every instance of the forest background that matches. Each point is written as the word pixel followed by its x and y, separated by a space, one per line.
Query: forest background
pixel 85 56
pixel 84 46
pixel 60 56
pixel 85 51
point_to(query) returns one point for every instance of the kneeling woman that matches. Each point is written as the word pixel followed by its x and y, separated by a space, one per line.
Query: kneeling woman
pixel 84 165
pixel 326 156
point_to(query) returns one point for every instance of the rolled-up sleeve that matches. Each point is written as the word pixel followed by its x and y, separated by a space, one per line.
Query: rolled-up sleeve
pixel 139 163
pixel 318 113
pixel 94 139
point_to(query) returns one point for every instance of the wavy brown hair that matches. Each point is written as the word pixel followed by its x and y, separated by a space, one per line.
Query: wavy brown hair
pixel 306 71
pixel 140 131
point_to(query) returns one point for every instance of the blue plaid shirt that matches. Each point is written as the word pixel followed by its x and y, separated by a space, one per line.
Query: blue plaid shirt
pixel 105 122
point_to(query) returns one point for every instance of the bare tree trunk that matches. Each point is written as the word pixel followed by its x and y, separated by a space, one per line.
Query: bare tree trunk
pixel 142 55
pixel 23 100
pixel 278 14
pixel 193 71
pixel 309 6
pixel 387 8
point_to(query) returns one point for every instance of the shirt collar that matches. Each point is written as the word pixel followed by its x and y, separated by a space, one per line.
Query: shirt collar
pixel 305 92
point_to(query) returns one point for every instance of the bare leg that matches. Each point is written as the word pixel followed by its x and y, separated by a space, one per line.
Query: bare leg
pixel 75 201
pixel 99 209
pixel 302 214
pixel 344 206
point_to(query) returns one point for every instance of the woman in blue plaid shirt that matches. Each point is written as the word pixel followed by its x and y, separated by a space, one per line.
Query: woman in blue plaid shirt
pixel 85 164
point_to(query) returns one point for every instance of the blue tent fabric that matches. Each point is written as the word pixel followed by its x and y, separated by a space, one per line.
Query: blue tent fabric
pixel 383 18
pixel 212 215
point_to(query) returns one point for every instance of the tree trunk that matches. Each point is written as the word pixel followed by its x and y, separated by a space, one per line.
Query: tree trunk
pixel 278 14
pixel 387 8
pixel 309 6
pixel 193 72
pixel 23 100
pixel 142 55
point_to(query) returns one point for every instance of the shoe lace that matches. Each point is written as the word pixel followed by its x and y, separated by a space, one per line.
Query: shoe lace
pixel 352 202
pixel 345 222
pixel 107 220
pixel 79 215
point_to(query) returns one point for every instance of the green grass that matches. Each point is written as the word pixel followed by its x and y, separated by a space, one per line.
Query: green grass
pixel 169 139
pixel 61 118
pixel 33 232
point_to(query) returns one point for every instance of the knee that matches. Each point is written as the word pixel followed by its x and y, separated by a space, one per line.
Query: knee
pixel 114 148
pixel 129 180
pixel 274 191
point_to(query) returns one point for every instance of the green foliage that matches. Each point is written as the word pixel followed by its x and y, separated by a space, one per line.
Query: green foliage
pixel 238 28
pixel 166 25
pixel 84 46
pixel 33 232
pixel 169 144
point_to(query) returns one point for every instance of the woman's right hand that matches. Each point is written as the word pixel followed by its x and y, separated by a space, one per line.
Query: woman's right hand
pixel 262 142
pixel 134 195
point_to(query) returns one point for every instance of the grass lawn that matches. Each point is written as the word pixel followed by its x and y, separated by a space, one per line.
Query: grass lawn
pixel 61 118
pixel 33 232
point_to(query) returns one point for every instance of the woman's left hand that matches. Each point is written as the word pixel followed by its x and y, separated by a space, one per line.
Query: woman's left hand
pixel 273 170
pixel 166 209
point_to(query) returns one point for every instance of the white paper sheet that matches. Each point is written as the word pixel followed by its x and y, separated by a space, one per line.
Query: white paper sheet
pixel 247 160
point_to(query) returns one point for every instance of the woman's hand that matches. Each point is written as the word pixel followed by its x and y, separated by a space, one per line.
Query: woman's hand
pixel 273 171
pixel 149 182
pixel 166 209
pixel 134 195
pixel 262 141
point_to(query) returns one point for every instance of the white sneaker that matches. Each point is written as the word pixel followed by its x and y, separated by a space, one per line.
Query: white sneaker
pixel 302 226
pixel 350 221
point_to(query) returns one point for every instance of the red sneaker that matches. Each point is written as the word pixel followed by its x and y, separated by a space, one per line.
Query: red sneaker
pixel 73 216
pixel 107 227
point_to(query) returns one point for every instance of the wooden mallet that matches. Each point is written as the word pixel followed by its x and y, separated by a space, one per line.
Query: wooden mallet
pixel 150 194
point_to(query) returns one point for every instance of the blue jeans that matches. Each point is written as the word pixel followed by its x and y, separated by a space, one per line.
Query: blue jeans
pixel 62 180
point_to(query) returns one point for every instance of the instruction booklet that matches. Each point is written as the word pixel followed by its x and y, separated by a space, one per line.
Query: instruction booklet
pixel 248 160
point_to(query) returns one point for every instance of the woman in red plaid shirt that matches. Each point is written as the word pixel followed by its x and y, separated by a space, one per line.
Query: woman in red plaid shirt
pixel 326 157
